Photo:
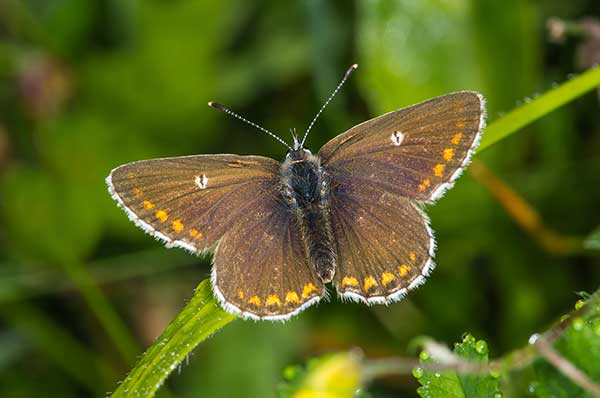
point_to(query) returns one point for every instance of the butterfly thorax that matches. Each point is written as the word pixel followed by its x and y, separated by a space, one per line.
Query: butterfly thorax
pixel 305 189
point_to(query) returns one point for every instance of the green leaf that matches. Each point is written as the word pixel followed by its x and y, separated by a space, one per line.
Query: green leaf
pixel 200 318
pixel 593 240
pixel 580 345
pixel 528 113
pixel 444 384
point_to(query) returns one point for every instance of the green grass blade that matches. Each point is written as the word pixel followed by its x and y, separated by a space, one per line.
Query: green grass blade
pixel 24 280
pixel 200 318
pixel 530 112
pixel 50 338
pixel 102 309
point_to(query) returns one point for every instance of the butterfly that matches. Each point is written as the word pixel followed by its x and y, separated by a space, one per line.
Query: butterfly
pixel 351 215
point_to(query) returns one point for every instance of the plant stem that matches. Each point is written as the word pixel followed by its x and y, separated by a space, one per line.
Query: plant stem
pixel 200 318
pixel 524 214
pixel 566 367
pixel 548 102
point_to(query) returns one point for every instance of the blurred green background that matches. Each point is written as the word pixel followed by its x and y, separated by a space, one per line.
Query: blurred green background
pixel 86 85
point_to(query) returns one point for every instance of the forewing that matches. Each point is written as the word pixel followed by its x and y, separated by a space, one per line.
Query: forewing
pixel 192 201
pixel 416 152
pixel 260 266
pixel 384 244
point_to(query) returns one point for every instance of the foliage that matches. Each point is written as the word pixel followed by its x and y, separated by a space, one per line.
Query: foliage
pixel 467 372
pixel 438 384
pixel 200 318
pixel 580 345
pixel 88 85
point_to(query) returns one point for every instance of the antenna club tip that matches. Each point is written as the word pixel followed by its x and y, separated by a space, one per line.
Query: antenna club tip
pixel 216 105
pixel 351 69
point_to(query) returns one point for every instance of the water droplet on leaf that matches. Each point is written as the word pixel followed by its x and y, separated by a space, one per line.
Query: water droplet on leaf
pixel 417 372
pixel 290 372
pixel 578 324
pixel 481 347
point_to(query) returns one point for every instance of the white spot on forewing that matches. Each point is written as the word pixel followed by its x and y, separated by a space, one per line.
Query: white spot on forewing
pixel 397 138
pixel 201 181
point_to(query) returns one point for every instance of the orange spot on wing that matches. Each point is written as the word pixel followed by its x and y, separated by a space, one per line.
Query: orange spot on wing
pixel 177 226
pixel 369 283
pixel 424 184
pixel 148 205
pixel 412 256
pixel 240 294
pixel 254 300
pixel 438 170
pixel 273 299
pixel 456 139
pixel 308 289
pixel 194 233
pixel 448 154
pixel 292 297
pixel 387 277
pixel 460 124
pixel 162 215
pixel 349 281
pixel 403 269
pixel 137 192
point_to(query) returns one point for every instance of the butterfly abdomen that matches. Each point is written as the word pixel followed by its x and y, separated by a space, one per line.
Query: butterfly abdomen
pixel 305 189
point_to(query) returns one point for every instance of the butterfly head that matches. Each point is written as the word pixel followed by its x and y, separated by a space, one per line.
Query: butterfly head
pixel 298 155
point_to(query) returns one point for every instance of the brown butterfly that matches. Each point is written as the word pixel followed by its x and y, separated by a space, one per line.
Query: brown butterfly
pixel 351 215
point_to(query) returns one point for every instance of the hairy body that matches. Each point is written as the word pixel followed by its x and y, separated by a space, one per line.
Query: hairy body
pixel 306 191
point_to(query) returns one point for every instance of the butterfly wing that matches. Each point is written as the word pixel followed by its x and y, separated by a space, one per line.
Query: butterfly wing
pixel 384 245
pixel 232 203
pixel 191 201
pixel 416 152
pixel 379 169
pixel 260 267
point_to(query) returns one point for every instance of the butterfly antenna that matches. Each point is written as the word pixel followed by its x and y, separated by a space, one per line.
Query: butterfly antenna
pixel 295 138
pixel 346 76
pixel 243 119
